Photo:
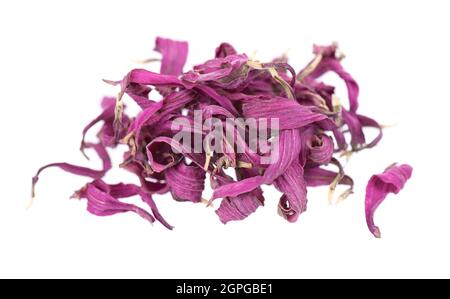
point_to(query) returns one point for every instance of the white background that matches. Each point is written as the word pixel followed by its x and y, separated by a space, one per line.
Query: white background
pixel 53 55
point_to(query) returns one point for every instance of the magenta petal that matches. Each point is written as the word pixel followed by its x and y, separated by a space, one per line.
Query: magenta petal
pixel 107 114
pixel 186 182
pixel 241 206
pixel 293 202
pixel 126 190
pixel 80 170
pixel 224 50
pixel 143 117
pixel 290 114
pixel 238 208
pixel 317 176
pixel 101 203
pixel 392 180
pixel 174 55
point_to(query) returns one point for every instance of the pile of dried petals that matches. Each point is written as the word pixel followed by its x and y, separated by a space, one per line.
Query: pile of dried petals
pixel 311 124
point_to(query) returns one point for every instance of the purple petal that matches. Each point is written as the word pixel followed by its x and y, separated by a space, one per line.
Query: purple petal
pixel 101 203
pixel 80 170
pixel 186 182
pixel 317 176
pixel 292 184
pixel 291 115
pixel 174 55
pixel 224 50
pixel 392 180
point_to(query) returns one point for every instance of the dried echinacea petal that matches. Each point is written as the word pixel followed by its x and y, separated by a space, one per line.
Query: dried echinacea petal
pixel 260 120
pixel 79 170
pixel 392 180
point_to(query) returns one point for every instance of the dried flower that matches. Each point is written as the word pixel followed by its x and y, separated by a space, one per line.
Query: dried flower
pixel 271 125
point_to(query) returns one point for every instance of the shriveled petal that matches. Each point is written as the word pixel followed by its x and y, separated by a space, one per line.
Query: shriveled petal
pixel 186 182
pixel 126 190
pixel 317 176
pixel 108 104
pixel 290 114
pixel 161 155
pixel 288 151
pixel 293 202
pixel 143 117
pixel 321 148
pixel 218 70
pixel 392 180
pixel 241 206
pixel 238 208
pixel 174 55
pixel 330 63
pixel 354 127
pixel 80 170
pixel 224 50
pixel 101 203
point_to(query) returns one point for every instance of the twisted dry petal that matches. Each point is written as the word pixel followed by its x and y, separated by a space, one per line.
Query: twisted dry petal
pixel 144 116
pixel 174 55
pixel 107 114
pixel 355 128
pixel 321 148
pixel 290 114
pixel 238 208
pixel 101 203
pixel 224 50
pixel 127 190
pixel 369 122
pixel 241 206
pixel 316 176
pixel 186 182
pixel 217 69
pixel 288 151
pixel 80 170
pixel 392 180
pixel 160 153
pixel 329 62
pixel 293 202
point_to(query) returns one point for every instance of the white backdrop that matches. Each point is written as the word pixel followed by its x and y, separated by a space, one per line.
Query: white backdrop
pixel 53 55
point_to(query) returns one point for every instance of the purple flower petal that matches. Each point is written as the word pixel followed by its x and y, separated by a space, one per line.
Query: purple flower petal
pixel 186 182
pixel 392 180
pixel 224 50
pixel 293 202
pixel 290 114
pixel 174 55
pixel 80 170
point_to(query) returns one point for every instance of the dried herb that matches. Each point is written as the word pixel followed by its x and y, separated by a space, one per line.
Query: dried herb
pixel 301 125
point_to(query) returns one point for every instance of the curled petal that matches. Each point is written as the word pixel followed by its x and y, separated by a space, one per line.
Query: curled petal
pixel 80 170
pixel 241 206
pixel 290 114
pixel 107 114
pixel 101 203
pixel 288 151
pixel 126 190
pixel 392 180
pixel 329 61
pixel 293 202
pixel 317 176
pixel 143 117
pixel 355 128
pixel 321 148
pixel 238 208
pixel 224 50
pixel 174 55
pixel 161 153
pixel 186 182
